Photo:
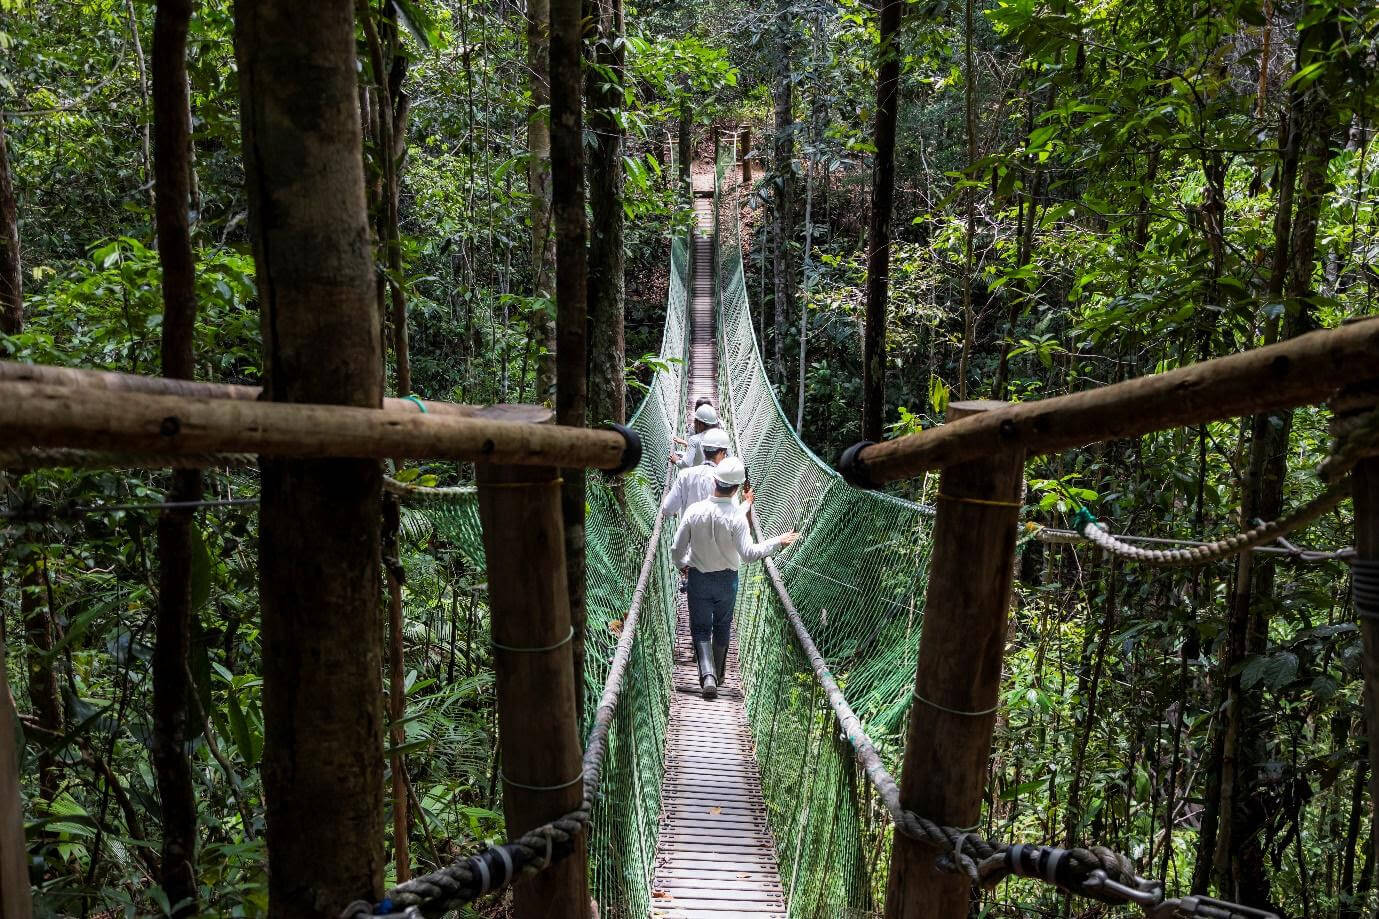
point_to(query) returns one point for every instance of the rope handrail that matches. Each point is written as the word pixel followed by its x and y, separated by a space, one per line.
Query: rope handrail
pixel 1088 528
pixel 467 879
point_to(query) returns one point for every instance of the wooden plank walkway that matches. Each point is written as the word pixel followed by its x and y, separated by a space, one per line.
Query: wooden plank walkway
pixel 715 858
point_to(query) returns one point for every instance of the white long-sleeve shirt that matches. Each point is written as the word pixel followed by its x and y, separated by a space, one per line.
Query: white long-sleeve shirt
pixel 714 536
pixel 693 457
pixel 690 487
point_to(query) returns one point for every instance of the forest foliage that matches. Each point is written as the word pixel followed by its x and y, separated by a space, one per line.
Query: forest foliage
pixel 1140 186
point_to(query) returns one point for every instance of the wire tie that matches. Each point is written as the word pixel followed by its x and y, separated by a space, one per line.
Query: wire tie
pixel 507 864
pixel 984 502
pixel 579 778
pixel 560 644
pixel 555 481
pixel 954 711
pixel 420 404
pixel 484 879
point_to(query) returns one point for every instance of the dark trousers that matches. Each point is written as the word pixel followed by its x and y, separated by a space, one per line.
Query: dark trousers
pixel 711 598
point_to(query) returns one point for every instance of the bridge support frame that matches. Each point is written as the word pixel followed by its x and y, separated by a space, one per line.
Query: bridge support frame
pixel 541 753
pixel 957 684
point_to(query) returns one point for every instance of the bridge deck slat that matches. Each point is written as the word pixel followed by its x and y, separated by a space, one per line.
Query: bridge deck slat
pixel 720 865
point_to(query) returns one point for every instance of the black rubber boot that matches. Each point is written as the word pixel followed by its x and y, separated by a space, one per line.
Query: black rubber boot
pixel 708 682
pixel 720 661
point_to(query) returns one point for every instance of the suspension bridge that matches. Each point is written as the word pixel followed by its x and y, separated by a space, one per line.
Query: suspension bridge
pixel 867 650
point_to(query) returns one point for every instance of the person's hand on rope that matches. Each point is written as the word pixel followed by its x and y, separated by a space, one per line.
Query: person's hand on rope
pixel 748 496
pixel 674 458
pixel 788 539
pixel 679 441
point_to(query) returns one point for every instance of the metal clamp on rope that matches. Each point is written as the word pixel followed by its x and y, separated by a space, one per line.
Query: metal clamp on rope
pixel 1146 893
pixel 853 468
pixel 631 451
pixel 1206 908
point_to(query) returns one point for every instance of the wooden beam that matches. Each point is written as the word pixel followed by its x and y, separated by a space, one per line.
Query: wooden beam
pixel 15 899
pixel 1305 370
pixel 15 372
pixel 958 681
pixel 33 415
pixel 538 735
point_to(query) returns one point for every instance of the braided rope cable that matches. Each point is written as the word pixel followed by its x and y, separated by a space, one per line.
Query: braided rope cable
pixel 1093 532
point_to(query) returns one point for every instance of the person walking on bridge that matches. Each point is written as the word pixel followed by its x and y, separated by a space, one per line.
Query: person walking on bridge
pixel 705 419
pixel 713 541
pixel 696 483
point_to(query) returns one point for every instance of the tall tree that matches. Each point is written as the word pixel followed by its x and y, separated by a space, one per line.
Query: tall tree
pixel 571 284
pixel 11 272
pixel 1312 135
pixel 604 88
pixel 319 519
pixel 783 97
pixel 539 188
pixel 171 687
pixel 879 226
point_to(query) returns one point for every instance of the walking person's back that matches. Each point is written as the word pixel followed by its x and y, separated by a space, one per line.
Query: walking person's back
pixel 713 542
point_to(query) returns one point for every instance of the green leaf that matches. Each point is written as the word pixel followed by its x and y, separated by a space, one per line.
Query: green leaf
pixel 239 730
pixel 419 23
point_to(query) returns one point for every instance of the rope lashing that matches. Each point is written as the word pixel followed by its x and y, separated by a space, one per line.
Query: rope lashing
pixel 1089 529
pixel 982 502
pixel 953 711
pixel 563 785
pixel 1364 587
pixel 417 400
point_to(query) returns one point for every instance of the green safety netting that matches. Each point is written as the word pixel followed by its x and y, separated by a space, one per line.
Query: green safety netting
pixel 857 577
pixel 622 837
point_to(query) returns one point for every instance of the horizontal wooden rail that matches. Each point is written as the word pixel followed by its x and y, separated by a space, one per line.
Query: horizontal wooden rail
pixel 38 415
pixel 15 372
pixel 1305 370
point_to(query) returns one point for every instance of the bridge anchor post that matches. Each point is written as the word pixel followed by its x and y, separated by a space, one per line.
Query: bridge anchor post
pixel 957 684
pixel 542 758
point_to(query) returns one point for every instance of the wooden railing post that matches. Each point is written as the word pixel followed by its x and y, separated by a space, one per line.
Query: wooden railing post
pixel 539 741
pixel 15 899
pixel 959 676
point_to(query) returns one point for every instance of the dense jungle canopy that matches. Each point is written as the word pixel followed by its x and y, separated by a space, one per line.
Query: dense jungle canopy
pixel 977 199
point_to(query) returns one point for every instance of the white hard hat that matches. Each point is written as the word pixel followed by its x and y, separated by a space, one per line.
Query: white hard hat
pixel 706 414
pixel 715 439
pixel 730 472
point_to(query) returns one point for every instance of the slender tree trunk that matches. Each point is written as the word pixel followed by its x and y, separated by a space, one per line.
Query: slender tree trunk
pixel 171 688
pixel 11 271
pixel 539 187
pixel 145 146
pixel 1240 858
pixel 16 901
pixel 319 519
pixel 685 141
pixel 784 96
pixel 607 389
pixel 397 687
pixel 969 320
pixel 571 288
pixel 879 227
pixel 1350 907
pixel 804 301
pixel 386 143
pixel 40 633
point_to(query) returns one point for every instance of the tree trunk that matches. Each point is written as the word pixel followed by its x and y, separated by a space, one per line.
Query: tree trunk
pixel 16 901
pixel 40 634
pixel 969 320
pixel 11 272
pixel 685 141
pixel 539 187
pixel 1240 857
pixel 171 688
pixel 879 227
pixel 319 519
pixel 804 301
pixel 607 390
pixel 571 287
pixel 783 93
